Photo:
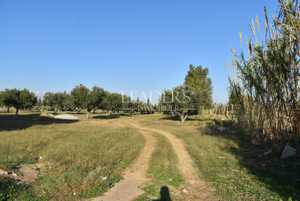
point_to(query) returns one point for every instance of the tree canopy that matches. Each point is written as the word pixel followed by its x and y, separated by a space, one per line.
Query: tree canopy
pixel 95 98
pixel 198 82
pixel 59 101
pixel 80 96
pixel 191 97
pixel 19 99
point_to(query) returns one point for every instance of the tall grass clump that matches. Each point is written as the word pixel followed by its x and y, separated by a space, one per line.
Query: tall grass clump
pixel 265 91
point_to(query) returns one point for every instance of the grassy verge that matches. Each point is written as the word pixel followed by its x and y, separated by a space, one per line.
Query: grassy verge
pixel 81 160
pixel 162 170
pixel 232 166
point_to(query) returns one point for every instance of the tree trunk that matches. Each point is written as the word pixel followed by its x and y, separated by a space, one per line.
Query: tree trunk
pixel 17 110
pixel 183 117
pixel 8 109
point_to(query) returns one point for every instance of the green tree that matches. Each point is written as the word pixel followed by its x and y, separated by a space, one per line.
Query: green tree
pixel 95 99
pixel 19 99
pixel 68 103
pixel 188 99
pixel 80 96
pixel 1 98
pixel 59 101
pixel 27 99
pixel 9 98
pixel 178 102
pixel 113 102
pixel 198 82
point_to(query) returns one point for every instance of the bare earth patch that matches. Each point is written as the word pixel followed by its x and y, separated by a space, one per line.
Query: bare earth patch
pixel 25 173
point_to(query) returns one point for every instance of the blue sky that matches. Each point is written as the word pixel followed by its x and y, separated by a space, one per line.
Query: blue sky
pixel 140 45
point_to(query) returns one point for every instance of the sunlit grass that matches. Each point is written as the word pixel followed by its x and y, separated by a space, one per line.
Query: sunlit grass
pixel 81 159
pixel 222 163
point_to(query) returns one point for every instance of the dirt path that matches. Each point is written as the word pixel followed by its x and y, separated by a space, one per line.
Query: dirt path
pixel 134 177
pixel 195 189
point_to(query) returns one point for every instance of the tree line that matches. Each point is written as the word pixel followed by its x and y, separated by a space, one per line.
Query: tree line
pixel 190 98
pixel 265 92
pixel 81 98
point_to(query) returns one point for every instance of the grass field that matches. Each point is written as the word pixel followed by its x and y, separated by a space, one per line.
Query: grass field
pixel 227 161
pixel 82 159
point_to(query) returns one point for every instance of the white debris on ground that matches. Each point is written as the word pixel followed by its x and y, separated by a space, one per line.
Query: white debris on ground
pixel 3 173
pixel 66 117
pixel 288 152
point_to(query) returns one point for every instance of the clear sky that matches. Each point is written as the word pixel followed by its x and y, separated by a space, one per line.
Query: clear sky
pixel 124 45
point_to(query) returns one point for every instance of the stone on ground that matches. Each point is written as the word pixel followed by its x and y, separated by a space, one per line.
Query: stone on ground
pixel 66 117
pixel 288 152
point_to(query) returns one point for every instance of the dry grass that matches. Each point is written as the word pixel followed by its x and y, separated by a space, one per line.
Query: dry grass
pixel 81 159
pixel 231 164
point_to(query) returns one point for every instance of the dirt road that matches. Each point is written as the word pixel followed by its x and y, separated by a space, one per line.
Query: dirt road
pixel 135 176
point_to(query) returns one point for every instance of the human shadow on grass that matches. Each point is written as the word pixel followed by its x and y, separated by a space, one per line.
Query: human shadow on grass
pixel 164 194
pixel 280 176
pixel 10 122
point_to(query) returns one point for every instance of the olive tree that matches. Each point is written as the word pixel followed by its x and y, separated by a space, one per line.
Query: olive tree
pixel 19 99
pixel 178 102
pixel 59 101
pixel 80 96
pixel 113 102
pixel 189 98
pixel 95 99
pixel 1 98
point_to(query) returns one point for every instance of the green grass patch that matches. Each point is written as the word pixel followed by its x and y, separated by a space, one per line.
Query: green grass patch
pixel 232 166
pixel 82 160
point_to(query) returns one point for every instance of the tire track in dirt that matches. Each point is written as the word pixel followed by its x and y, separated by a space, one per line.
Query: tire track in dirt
pixel 195 189
pixel 129 188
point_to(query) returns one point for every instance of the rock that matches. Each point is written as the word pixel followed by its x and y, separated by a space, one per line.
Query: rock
pixel 185 191
pixel 3 173
pixel 288 152
pixel 221 129
pixel 66 117
pixel 12 174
